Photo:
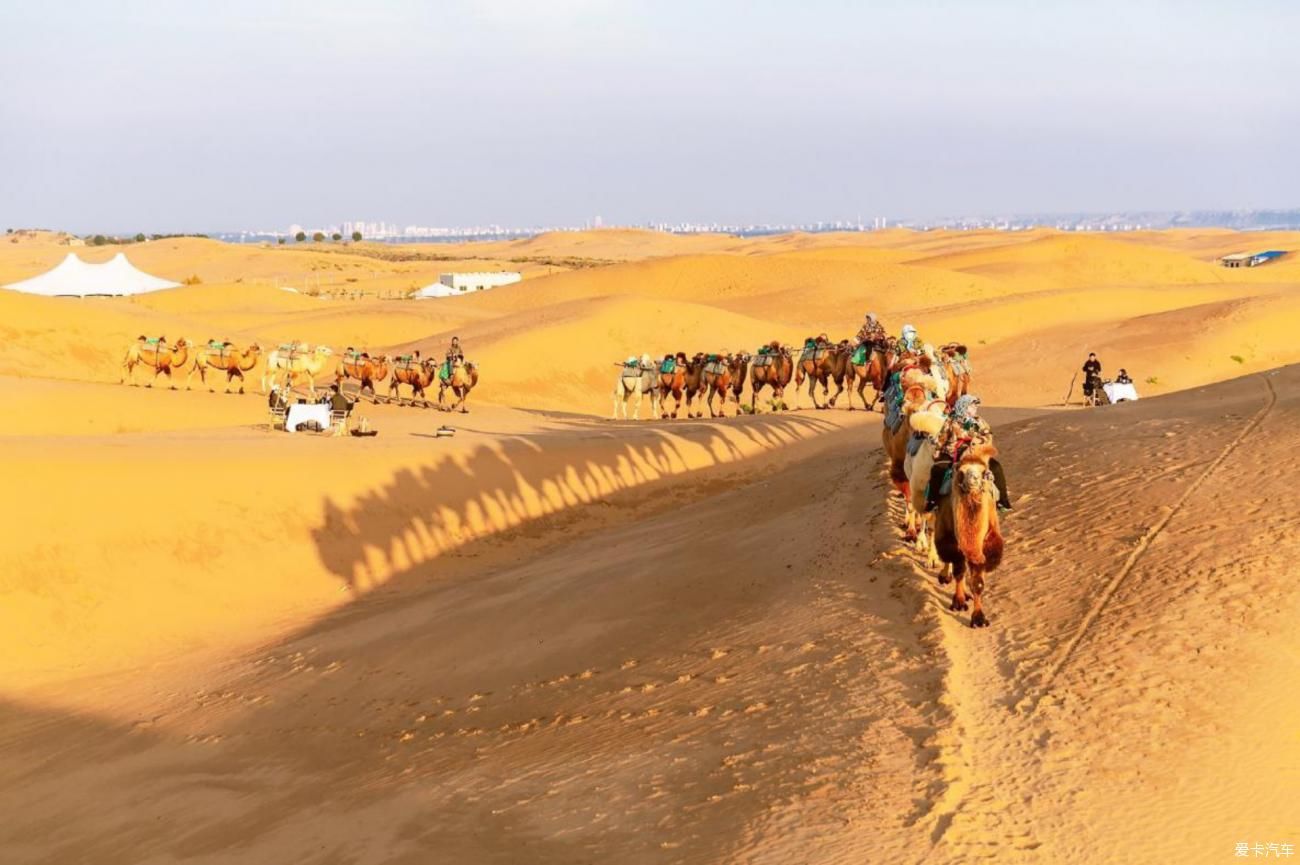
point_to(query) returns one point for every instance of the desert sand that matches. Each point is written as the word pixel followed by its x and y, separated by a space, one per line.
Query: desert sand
pixel 554 638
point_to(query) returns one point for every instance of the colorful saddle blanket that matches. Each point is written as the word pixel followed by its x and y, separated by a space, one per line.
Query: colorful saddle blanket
pixel 669 365
pixel 715 367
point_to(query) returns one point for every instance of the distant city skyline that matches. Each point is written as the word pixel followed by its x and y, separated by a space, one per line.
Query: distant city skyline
pixel 129 115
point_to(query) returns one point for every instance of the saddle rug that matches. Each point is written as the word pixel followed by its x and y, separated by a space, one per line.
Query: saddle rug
pixel 764 359
pixel 444 371
pixel 914 443
pixel 669 365
pixel 717 367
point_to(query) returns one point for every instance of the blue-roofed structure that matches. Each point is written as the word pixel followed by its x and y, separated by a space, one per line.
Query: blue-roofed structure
pixel 1251 259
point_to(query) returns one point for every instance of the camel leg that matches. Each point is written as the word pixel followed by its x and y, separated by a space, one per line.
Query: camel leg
pixel 959 588
pixel 977 617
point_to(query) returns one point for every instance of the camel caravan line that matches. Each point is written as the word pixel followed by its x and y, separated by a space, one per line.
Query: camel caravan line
pixel 298 364
pixel 709 381
pixel 942 461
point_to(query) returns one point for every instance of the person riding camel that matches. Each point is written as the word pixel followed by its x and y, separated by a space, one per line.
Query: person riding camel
pixel 872 333
pixel 909 342
pixel 454 351
pixel 963 429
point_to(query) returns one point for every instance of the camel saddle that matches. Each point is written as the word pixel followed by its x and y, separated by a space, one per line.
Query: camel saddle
pixel 860 354
pixel 915 442
pixel 715 366
pixel 444 371
pixel 763 358
pixel 669 365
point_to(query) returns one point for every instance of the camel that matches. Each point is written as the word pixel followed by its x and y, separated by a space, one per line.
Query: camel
pixel 966 531
pixel 958 367
pixel 636 379
pixel 295 361
pixel 225 357
pixel 872 371
pixel 464 378
pixel 364 369
pixel 773 369
pixel 409 369
pixel 158 356
pixel 693 383
pixel 925 425
pixel 672 380
pixel 717 381
pixel 917 391
pixel 820 364
pixel 739 369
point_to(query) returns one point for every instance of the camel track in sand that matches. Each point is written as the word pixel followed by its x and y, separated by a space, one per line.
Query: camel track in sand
pixel 1144 543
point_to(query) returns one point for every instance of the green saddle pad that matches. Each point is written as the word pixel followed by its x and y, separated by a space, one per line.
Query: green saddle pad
pixel 669 365
pixel 444 371
pixel 860 355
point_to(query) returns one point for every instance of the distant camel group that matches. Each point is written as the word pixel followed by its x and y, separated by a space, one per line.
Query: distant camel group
pixel 297 364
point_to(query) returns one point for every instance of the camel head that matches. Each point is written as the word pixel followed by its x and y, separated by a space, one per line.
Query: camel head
pixel 323 351
pixel 974 479
pixel 681 357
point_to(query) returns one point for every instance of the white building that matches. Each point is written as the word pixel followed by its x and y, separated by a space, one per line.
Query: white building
pixel 462 283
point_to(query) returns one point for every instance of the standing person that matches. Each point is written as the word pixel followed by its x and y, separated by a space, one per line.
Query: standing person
pixel 963 429
pixel 1091 375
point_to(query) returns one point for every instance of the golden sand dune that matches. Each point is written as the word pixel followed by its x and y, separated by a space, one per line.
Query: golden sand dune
pixel 552 638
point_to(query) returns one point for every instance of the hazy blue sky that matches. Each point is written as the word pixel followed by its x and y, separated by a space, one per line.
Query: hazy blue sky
pixel 158 116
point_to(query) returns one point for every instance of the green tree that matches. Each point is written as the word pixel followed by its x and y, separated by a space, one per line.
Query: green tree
pixel 336 237
pixel 300 236
pixel 356 236
pixel 98 240
pixel 280 240
pixel 317 237
pixel 139 238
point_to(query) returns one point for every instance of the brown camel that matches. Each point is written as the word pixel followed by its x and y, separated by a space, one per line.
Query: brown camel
pixel 409 369
pixel 957 368
pixel 966 531
pixel 464 378
pixel 773 369
pixel 693 383
pixel 820 364
pixel 717 382
pixel 917 391
pixel 363 368
pixel 739 366
pixel 872 372
pixel 672 382
pixel 225 357
pixel 156 355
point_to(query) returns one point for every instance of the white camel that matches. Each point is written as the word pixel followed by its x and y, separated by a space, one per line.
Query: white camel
pixel 295 362
pixel 637 379
pixel 917 467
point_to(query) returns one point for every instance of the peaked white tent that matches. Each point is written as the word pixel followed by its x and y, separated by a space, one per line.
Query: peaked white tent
pixel 436 289
pixel 75 278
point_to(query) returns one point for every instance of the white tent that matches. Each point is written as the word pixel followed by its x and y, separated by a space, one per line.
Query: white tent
pixel 436 289
pixel 75 278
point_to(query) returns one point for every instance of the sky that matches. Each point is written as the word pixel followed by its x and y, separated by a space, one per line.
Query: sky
pixel 155 116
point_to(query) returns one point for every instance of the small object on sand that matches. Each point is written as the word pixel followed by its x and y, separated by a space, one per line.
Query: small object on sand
pixel 444 431
pixel 363 429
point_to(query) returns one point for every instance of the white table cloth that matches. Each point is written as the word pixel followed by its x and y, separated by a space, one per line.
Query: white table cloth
pixel 1116 392
pixel 300 412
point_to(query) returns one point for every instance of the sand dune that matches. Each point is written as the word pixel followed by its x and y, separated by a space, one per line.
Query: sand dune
pixel 552 638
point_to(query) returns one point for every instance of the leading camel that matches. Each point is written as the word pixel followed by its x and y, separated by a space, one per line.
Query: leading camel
pixel 158 356
pixel 225 357
pixel 636 378
pixel 464 378
pixel 296 361
pixel 772 368
pixel 966 530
